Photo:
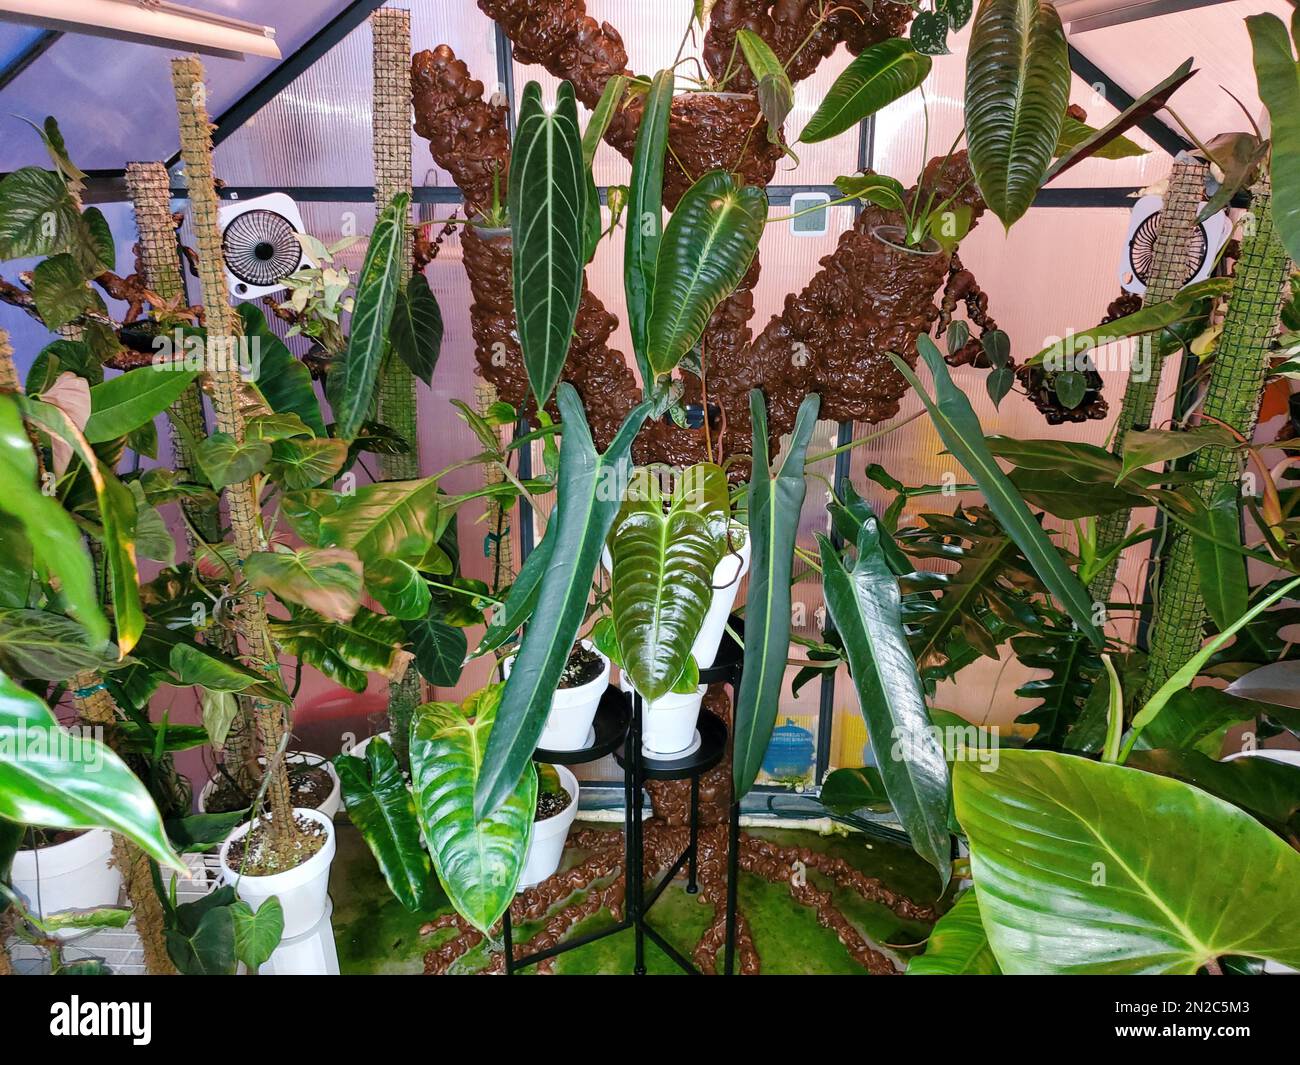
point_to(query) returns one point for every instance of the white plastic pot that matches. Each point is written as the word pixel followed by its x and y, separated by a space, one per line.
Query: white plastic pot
pixel 668 723
pixel 568 725
pixel 333 801
pixel 359 751
pixel 76 875
pixel 303 891
pixel 546 848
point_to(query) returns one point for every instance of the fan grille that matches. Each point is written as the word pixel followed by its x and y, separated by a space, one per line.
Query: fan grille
pixel 260 248
pixel 1143 246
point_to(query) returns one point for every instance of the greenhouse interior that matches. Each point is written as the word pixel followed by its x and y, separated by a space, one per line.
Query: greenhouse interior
pixel 592 487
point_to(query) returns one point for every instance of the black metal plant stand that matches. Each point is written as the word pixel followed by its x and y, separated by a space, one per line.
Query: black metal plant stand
pixel 619 732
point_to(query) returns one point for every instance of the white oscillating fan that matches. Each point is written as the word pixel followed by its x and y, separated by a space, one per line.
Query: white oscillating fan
pixel 1140 244
pixel 259 244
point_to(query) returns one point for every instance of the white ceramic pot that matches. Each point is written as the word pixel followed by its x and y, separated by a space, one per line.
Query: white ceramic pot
pixel 333 801
pixel 359 751
pixel 76 875
pixel 668 723
pixel 546 848
pixel 303 891
pixel 568 725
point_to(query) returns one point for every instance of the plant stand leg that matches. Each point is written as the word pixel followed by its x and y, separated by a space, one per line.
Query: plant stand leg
pixel 636 876
pixel 692 888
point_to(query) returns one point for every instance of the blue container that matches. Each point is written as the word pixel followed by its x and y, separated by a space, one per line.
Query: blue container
pixel 790 753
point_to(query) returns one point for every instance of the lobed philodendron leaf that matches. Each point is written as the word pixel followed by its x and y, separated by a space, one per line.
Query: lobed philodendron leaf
pixel 590 493
pixel 864 605
pixel 774 505
pixel 1086 867
pixel 706 250
pixel 664 552
pixel 479 860
pixel 1017 90
pixel 54 778
pixel 381 806
pixel 548 194
pixel 960 430
pixel 351 384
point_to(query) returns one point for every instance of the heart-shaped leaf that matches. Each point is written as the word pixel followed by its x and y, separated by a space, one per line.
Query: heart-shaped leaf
pixel 257 932
pixel 225 461
pixel 48 646
pixel 324 579
pixel 399 588
pixel 285 383
pixel 391 519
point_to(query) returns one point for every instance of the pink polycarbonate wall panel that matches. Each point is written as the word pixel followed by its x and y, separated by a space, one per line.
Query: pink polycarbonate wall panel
pixel 1138 53
pixel 1054 271
pixel 652 34
pixel 901 144
pixel 114 99
pixel 318 130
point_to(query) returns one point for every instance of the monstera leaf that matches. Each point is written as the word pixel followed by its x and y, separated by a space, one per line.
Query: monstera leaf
pixel 957 945
pixel 381 806
pixel 584 511
pixel 880 75
pixel 1017 90
pixel 664 552
pixel 479 860
pixel 548 193
pixel 1087 867
pixel 774 506
pixel 863 603
pixel 706 249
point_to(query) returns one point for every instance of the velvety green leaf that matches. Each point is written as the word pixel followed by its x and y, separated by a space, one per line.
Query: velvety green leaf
pixel 439 648
pixel 863 603
pixel 285 383
pixel 200 935
pixel 126 402
pixel 963 436
pixel 929 32
pixel 1086 867
pixel 645 218
pixel 60 292
pixel 324 579
pixel 547 209
pixel 303 511
pixel 37 643
pixel 957 945
pixel 225 461
pixel 584 511
pixel 37 215
pixel 479 860
pixel 153 540
pixel 352 379
pixel 774 507
pixel 257 933
pixel 1278 79
pixel 381 806
pixel 416 329
pixel 1148 446
pixel 1017 90
pixel 775 92
pixel 1068 498
pixel 208 668
pixel 391 519
pixel 706 250
pixel 878 189
pixel 882 74
pixel 57 779
pixel 664 552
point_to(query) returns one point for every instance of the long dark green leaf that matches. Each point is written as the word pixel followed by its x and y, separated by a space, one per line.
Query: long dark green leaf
pixel 381 806
pixel 285 382
pixel 708 245
pixel 520 600
pixel 1279 87
pixel 882 74
pixel 416 330
pixel 588 500
pixel 963 436
pixel 1017 90
pixel 645 217
pixel 351 384
pixel 774 506
pixel 548 194
pixel 1222 572
pixel 863 604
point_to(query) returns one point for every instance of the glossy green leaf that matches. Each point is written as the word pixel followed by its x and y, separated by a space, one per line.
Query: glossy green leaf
pixel 645 218
pixel 324 579
pixel 391 519
pixel 548 194
pixel 199 664
pixel 878 189
pixel 416 329
pixel 774 507
pixel 876 78
pixel 1222 572
pixel 381 806
pixel 664 552
pixel 957 945
pixel 1017 90
pixel 479 860
pixel 285 383
pixel 1148 446
pixel 353 378
pixel 299 464
pixel 1278 79
pixel 257 932
pixel 129 400
pixel 1085 867
pixel 705 252
pixel 346 652
pixel 48 646
pixel 398 587
pixel 520 600
pixel 850 791
pixel 863 603
pixel 963 436
pixel 586 506
pixel 58 779
pixel 225 461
